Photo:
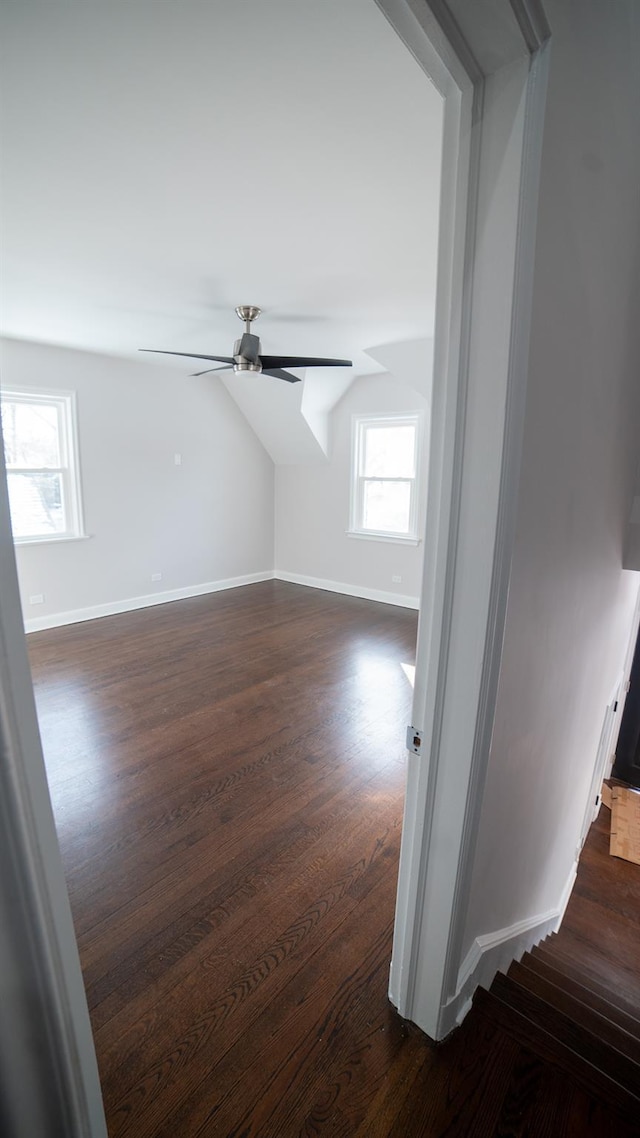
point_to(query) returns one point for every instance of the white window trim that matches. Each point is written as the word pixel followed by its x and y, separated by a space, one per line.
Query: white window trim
pixel 358 425
pixel 372 535
pixel 70 452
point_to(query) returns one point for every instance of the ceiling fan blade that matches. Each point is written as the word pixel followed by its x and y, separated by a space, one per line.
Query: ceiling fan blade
pixel 250 347
pixel 278 373
pixel 301 361
pixel 190 355
pixel 207 371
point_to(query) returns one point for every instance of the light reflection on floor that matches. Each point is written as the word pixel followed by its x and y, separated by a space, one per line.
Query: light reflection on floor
pixel 78 757
pixel 85 747
pixel 375 700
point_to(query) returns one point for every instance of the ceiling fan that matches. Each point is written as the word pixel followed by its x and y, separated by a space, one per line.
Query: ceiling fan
pixel 247 354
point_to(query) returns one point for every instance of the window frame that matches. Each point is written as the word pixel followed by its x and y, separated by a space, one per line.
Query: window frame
pixel 69 470
pixel 359 425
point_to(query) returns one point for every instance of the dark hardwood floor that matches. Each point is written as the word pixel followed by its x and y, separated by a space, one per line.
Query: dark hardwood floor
pixel 227 775
pixel 601 929
pixel 577 993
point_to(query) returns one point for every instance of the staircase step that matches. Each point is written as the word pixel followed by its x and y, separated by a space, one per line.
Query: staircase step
pixel 543 1043
pixel 604 942
pixel 577 1013
pixel 601 976
pixel 616 1065
pixel 595 996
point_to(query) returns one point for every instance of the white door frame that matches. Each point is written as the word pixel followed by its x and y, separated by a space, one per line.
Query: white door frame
pixel 49 1070
pixel 492 74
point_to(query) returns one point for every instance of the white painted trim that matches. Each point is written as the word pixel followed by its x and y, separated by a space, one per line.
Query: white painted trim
pixel 602 768
pixel 112 608
pixel 386 598
pixel 491 157
pixel 130 604
pixel 533 22
pixel 494 952
pixel 360 422
pixel 441 53
pixel 421 33
pixel 61 539
pixel 53 1088
pixel 366 535
pixel 66 403
pixel 534 90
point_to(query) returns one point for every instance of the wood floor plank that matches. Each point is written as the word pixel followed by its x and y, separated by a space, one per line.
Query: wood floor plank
pixel 311 1022
pixel 460 1090
pixel 342 1057
pixel 224 1014
pixel 227 774
pixel 396 1085
pixel 212 901
pixel 596 1020
pixel 584 959
pixel 181 851
pixel 590 1117
pixel 536 1104
pixel 236 939
pixel 552 1050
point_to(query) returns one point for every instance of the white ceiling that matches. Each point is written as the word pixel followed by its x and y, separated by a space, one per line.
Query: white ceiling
pixel 166 161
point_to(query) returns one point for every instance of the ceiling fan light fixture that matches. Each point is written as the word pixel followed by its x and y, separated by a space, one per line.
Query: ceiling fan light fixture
pixel 241 366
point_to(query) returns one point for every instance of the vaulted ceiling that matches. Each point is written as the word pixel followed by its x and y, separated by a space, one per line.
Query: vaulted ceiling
pixel 164 162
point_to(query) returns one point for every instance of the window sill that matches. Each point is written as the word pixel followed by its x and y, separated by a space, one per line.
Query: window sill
pixel 396 540
pixel 62 539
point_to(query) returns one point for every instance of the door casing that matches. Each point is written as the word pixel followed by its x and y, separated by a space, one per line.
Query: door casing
pixel 490 63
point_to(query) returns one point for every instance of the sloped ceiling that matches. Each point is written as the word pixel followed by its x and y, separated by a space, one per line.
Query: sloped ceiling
pixel 164 162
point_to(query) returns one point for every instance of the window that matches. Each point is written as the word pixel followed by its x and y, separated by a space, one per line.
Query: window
pixel 41 457
pixel 384 485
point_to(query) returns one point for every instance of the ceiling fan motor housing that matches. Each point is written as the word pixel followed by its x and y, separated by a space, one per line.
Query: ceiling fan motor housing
pixel 246 353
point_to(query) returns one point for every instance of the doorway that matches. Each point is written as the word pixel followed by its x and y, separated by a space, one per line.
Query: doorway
pixel 478 406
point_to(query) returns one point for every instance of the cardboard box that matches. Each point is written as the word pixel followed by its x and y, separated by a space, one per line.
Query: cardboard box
pixel 625 823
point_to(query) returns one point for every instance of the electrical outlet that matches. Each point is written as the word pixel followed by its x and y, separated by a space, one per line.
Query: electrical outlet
pixel 396 579
pixel 37 599
pixel 156 576
pixel 177 458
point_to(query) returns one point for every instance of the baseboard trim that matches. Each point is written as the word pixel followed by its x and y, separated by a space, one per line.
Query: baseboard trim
pixel 112 608
pixel 386 598
pixel 129 604
pixel 494 952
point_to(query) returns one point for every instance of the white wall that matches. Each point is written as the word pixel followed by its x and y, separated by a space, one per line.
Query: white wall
pixel 570 604
pixel 312 506
pixel 210 518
